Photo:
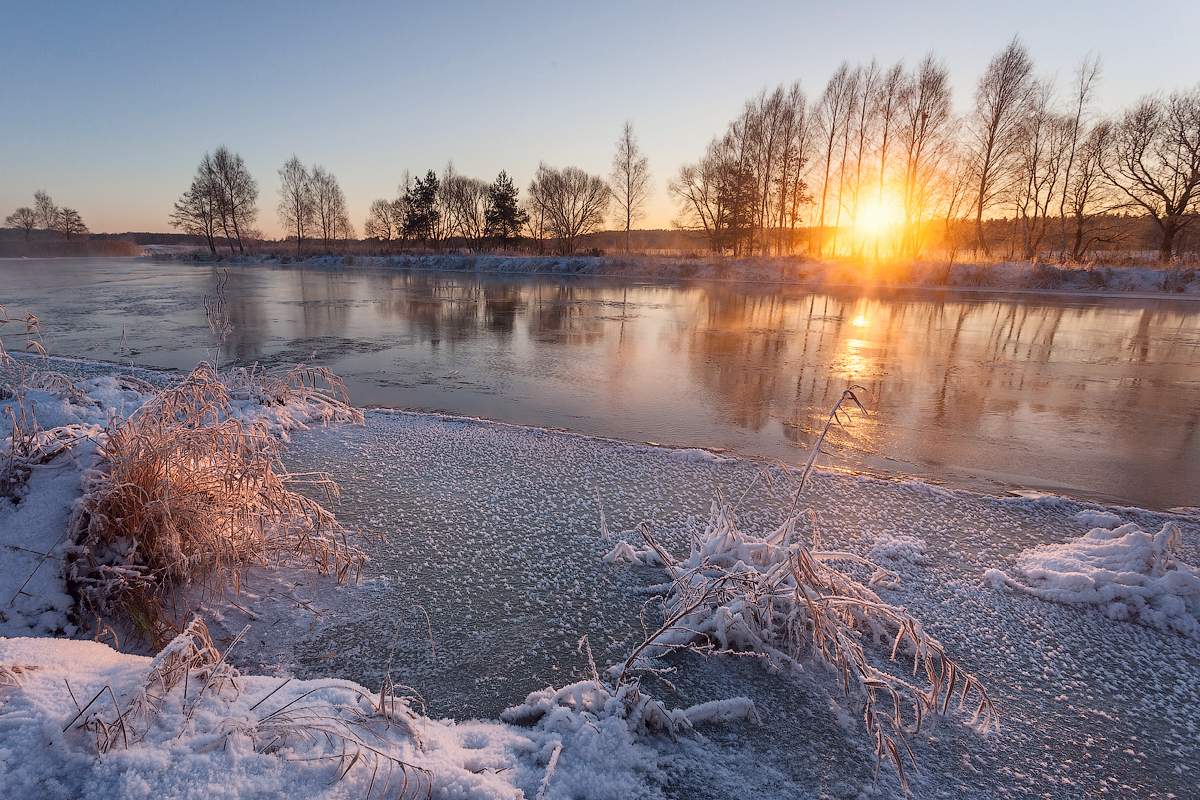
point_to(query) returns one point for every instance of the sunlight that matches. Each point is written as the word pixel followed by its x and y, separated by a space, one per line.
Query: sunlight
pixel 878 218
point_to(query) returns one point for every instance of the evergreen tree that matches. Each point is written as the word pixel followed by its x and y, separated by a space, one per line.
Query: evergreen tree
pixel 504 216
pixel 422 215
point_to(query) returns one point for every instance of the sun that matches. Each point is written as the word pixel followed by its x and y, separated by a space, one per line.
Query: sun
pixel 878 217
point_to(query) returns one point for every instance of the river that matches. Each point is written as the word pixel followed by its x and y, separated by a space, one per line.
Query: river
pixel 1096 397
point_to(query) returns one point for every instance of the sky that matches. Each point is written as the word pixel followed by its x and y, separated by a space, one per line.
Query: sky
pixel 110 106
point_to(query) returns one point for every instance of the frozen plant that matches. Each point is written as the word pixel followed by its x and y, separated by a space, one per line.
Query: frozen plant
pixel 184 491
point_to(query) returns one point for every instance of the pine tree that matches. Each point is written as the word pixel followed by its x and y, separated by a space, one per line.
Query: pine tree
pixel 504 216
pixel 421 218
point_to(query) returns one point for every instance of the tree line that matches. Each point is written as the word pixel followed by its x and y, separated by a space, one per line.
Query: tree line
pixel 560 206
pixel 46 214
pixel 886 141
pixel 878 163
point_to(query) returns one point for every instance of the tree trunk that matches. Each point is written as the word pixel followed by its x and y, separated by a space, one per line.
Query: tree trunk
pixel 980 243
pixel 236 228
pixel 1166 248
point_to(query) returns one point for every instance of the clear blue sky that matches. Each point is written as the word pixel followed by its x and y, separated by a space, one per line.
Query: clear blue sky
pixel 109 106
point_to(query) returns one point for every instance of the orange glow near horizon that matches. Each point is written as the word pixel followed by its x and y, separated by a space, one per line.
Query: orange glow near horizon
pixel 878 219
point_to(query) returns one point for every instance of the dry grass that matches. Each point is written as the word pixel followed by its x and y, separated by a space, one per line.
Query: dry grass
pixel 321 391
pixel 786 599
pixel 186 493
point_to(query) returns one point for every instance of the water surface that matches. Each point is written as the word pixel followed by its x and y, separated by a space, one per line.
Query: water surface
pixel 1097 397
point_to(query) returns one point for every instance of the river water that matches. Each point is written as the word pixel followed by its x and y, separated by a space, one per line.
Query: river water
pixel 1096 397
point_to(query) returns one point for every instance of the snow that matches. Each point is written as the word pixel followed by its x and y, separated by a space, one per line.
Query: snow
pixel 897 550
pixel 491 567
pixel 1097 519
pixel 1128 573
pixel 266 738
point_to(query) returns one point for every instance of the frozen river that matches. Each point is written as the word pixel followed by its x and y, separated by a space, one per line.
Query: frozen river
pixel 1093 397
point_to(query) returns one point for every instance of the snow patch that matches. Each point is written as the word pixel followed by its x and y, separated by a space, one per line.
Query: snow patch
pixel 895 550
pixel 1130 574
pixel 1097 519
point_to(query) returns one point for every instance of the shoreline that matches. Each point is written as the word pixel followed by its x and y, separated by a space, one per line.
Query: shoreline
pixel 975 486
pixel 812 276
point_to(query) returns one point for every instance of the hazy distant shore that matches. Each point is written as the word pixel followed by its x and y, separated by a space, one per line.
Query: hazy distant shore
pixel 1003 276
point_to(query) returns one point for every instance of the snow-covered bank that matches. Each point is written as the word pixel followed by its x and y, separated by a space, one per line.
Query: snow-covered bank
pixel 1004 276
pixel 143 735
pixel 492 568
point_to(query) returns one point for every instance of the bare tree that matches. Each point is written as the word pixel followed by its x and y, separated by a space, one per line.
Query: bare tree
pixel 1086 77
pixel 443 219
pixel 868 88
pixel 198 209
pixel 574 202
pixel 24 218
pixel 1156 162
pixel 953 196
pixel 831 114
pixel 790 185
pixel 297 205
pixel 852 84
pixel 1086 190
pixel 238 193
pixel 1001 99
pixel 47 211
pixel 630 180
pixel 466 204
pixel 887 105
pixel 923 138
pixel 699 189
pixel 329 206
pixel 1045 142
pixel 384 220
pixel 534 218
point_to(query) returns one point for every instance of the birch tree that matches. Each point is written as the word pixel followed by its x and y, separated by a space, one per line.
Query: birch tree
pixel 1001 101
pixel 629 181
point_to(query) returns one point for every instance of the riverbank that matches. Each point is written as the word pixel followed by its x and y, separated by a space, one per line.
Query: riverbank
pixel 495 554
pixel 1099 280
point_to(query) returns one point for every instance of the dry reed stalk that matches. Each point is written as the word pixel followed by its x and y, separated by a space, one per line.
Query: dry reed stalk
pixel 787 600
pixel 216 314
pixel 186 493
pixel 319 388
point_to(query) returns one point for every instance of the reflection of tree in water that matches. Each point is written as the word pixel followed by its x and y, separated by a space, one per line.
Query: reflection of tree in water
pixel 429 307
pixel 500 306
pixel 736 345
pixel 565 314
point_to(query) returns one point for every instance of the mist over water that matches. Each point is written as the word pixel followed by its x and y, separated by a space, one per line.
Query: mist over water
pixel 1096 397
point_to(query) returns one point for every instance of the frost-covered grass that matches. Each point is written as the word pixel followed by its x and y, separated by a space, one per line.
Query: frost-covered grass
pixel 82 720
pixel 785 598
pixel 1016 275
pixel 158 487
pixel 185 491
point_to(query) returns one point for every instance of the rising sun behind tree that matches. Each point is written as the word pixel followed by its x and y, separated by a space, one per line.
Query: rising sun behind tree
pixel 879 220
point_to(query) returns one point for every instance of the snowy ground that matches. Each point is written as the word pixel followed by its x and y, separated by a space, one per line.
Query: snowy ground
pixel 494 532
pixel 1003 276
pixel 491 569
